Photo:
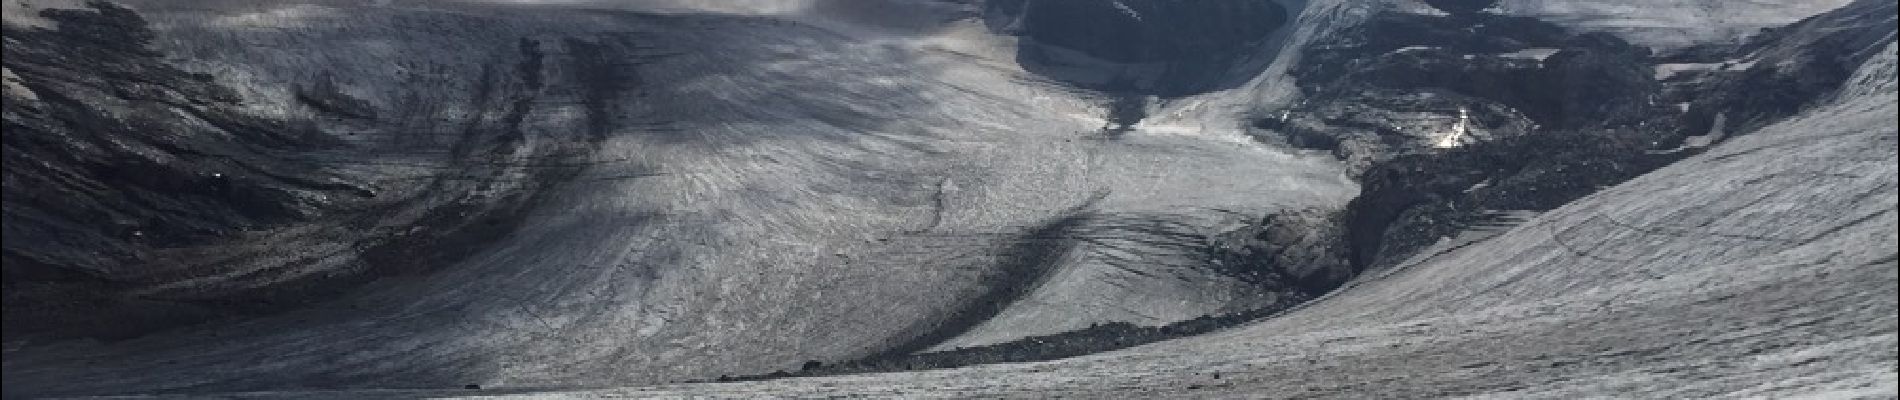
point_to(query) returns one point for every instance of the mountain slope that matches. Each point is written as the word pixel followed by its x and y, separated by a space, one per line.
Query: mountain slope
pixel 396 199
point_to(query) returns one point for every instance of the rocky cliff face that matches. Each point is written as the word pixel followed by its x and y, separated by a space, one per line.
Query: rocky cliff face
pixel 1779 72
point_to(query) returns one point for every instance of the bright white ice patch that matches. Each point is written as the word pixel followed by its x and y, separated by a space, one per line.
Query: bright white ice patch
pixel 1459 133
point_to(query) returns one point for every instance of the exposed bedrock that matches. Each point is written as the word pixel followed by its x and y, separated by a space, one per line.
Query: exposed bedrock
pixel 1779 72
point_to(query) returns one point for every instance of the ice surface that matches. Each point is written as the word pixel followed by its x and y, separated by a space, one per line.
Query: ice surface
pixel 763 192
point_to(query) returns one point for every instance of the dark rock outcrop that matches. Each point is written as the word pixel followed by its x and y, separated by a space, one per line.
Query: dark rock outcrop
pixel 1413 200
pixel 1782 70
pixel 1540 116
pixel 1304 249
